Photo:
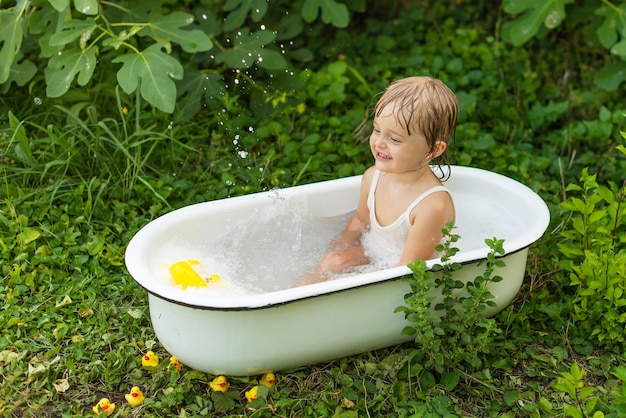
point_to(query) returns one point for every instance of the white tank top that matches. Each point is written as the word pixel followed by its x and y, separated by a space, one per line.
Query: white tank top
pixel 383 245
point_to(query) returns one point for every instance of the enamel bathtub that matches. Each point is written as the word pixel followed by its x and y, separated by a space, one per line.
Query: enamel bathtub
pixel 247 332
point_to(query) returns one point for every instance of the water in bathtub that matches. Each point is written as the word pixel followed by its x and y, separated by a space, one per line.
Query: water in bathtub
pixel 261 254
pixel 282 241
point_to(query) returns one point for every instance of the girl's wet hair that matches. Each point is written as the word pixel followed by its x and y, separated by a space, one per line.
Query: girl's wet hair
pixel 424 105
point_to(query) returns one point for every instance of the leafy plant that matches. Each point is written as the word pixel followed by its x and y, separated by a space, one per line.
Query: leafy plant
pixel 583 398
pixel 533 18
pixel 595 258
pixel 154 48
pixel 451 331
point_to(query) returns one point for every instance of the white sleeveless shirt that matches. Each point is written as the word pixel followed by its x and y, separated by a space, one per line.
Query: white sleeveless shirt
pixel 383 245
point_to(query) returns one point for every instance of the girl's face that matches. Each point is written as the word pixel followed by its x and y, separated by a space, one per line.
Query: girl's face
pixel 394 150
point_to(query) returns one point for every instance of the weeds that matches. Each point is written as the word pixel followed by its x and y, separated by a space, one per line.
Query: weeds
pixel 451 332
pixel 82 174
pixel 594 256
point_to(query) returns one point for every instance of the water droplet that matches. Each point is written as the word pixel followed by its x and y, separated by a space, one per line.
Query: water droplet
pixel 262 27
pixel 204 16
pixel 37 101
pixel 170 125
pixel 243 154
pixel 251 129
pixel 236 81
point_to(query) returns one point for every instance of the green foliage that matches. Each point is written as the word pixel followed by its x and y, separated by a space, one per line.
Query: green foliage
pixel 155 48
pixel 607 28
pixel 451 332
pixel 583 400
pixel 593 254
pixel 82 172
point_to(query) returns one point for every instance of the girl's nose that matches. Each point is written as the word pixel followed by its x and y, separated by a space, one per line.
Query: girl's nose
pixel 379 141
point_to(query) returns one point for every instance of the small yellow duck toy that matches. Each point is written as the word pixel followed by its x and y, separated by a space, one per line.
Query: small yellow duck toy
pixel 175 363
pixel 219 384
pixel 252 394
pixel 268 380
pixel 104 406
pixel 135 397
pixel 184 275
pixel 150 360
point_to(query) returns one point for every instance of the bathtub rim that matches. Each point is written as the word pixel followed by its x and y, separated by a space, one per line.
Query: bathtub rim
pixel 280 297
pixel 315 295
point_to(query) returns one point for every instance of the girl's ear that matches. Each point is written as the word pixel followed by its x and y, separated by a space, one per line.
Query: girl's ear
pixel 438 149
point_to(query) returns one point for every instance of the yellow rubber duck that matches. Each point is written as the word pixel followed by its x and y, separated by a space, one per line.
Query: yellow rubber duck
pixel 252 394
pixel 268 380
pixel 219 384
pixel 174 362
pixel 150 360
pixel 104 406
pixel 184 275
pixel 135 397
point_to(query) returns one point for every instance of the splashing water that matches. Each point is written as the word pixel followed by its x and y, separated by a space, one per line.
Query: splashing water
pixel 265 253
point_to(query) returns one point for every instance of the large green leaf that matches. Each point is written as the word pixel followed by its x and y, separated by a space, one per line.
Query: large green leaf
pixel 63 68
pixel 168 29
pixel 87 7
pixel 72 30
pixel 612 26
pixel 536 14
pixel 198 90
pixel 154 70
pixel 333 12
pixel 59 5
pixel 22 71
pixel 239 10
pixel 48 22
pixel 249 48
pixel 12 22
pixel 611 75
pixel 208 22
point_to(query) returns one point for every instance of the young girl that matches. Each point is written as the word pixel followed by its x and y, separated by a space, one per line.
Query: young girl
pixel 403 205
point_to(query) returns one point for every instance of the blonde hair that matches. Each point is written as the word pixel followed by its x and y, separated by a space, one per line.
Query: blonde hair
pixel 424 105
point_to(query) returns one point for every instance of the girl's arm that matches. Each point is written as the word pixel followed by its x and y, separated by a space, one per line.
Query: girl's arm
pixel 345 249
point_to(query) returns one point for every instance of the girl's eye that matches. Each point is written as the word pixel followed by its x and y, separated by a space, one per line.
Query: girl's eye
pixel 395 141
pixel 376 131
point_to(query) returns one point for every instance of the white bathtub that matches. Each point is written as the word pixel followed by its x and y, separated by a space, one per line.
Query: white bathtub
pixel 247 334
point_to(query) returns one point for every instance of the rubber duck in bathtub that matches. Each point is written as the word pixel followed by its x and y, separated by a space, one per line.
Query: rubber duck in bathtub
pixel 185 275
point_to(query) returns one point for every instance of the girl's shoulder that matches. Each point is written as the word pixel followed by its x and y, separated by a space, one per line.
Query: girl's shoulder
pixel 368 176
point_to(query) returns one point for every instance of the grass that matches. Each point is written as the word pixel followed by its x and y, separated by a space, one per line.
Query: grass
pixel 80 178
